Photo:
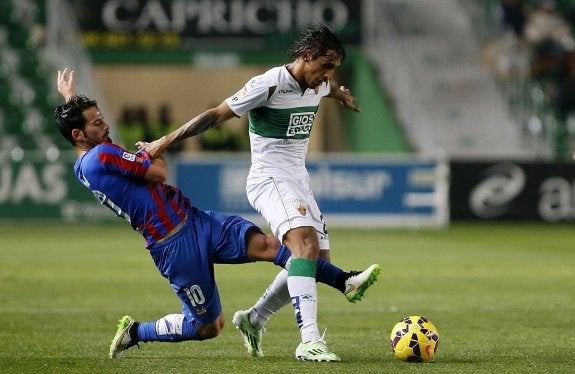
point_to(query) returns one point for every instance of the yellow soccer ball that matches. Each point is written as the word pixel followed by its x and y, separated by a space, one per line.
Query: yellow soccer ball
pixel 414 339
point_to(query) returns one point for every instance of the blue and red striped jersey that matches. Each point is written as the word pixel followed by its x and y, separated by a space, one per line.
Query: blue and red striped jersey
pixel 116 177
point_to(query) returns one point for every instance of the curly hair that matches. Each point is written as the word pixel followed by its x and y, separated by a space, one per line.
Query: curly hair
pixel 317 39
pixel 70 115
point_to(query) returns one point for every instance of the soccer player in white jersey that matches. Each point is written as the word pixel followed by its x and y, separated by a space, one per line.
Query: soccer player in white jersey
pixel 281 104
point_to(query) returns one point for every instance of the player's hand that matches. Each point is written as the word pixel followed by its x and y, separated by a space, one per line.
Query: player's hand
pixel 347 100
pixel 66 84
pixel 155 148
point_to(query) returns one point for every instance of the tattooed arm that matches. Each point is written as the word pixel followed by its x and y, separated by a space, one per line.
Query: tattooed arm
pixel 193 127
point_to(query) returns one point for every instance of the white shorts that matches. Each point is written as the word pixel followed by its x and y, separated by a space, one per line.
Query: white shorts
pixel 285 205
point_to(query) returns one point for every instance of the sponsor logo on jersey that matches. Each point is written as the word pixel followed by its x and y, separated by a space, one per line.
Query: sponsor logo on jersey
pixel 300 123
pixel 286 91
pixel 241 93
pixel 129 156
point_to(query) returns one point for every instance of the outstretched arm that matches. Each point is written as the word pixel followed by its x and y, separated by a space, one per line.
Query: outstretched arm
pixel 193 127
pixel 343 94
pixel 66 85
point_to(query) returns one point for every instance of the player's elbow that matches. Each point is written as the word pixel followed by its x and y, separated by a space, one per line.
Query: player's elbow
pixel 157 175
pixel 157 172
pixel 161 177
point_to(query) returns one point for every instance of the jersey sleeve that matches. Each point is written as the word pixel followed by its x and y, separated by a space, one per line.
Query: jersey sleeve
pixel 123 162
pixel 254 94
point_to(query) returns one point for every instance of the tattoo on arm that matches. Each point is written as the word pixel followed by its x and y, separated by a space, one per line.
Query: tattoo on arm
pixel 193 127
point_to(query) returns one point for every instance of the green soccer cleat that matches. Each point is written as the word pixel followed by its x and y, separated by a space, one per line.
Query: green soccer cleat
pixel 358 283
pixel 252 336
pixel 315 351
pixel 126 336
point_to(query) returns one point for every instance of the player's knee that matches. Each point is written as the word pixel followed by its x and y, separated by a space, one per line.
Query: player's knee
pixel 211 330
pixel 272 244
pixel 208 331
pixel 261 247
pixel 302 242
pixel 269 248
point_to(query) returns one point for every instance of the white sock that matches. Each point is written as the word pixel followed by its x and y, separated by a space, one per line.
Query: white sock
pixel 275 297
pixel 303 292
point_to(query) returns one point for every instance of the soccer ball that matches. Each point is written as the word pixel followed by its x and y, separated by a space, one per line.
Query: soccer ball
pixel 414 339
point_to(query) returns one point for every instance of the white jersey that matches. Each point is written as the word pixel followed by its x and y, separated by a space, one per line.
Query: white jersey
pixel 280 121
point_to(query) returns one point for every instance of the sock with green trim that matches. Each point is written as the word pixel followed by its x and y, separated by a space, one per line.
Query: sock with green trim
pixel 303 293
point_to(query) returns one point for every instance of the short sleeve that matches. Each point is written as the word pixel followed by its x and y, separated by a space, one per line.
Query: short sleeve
pixel 253 94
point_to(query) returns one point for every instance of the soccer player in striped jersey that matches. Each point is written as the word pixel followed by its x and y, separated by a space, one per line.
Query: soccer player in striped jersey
pixel 183 241
pixel 281 104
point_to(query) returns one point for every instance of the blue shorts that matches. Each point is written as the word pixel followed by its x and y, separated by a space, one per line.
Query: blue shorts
pixel 187 259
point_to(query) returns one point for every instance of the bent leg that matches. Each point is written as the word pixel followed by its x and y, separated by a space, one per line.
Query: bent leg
pixel 185 260
pixel 177 328
pixel 304 246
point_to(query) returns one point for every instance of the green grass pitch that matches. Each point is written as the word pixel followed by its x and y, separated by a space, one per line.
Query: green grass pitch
pixel 501 295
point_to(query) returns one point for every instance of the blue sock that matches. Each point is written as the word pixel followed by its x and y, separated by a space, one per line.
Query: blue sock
pixel 171 328
pixel 326 272
pixel 282 256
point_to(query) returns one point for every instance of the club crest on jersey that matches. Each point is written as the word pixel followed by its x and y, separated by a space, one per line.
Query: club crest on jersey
pixel 129 156
pixel 300 123
pixel 302 209
pixel 201 310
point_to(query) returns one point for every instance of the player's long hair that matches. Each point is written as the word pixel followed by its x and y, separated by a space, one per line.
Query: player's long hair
pixel 317 39
pixel 70 115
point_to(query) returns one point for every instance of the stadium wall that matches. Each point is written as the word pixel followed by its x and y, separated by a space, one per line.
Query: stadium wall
pixel 352 191
pixel 376 128
pixel 41 189
pixel 373 191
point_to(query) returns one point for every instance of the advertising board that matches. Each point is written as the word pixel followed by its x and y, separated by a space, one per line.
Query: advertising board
pixel 507 190
pixel 355 191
